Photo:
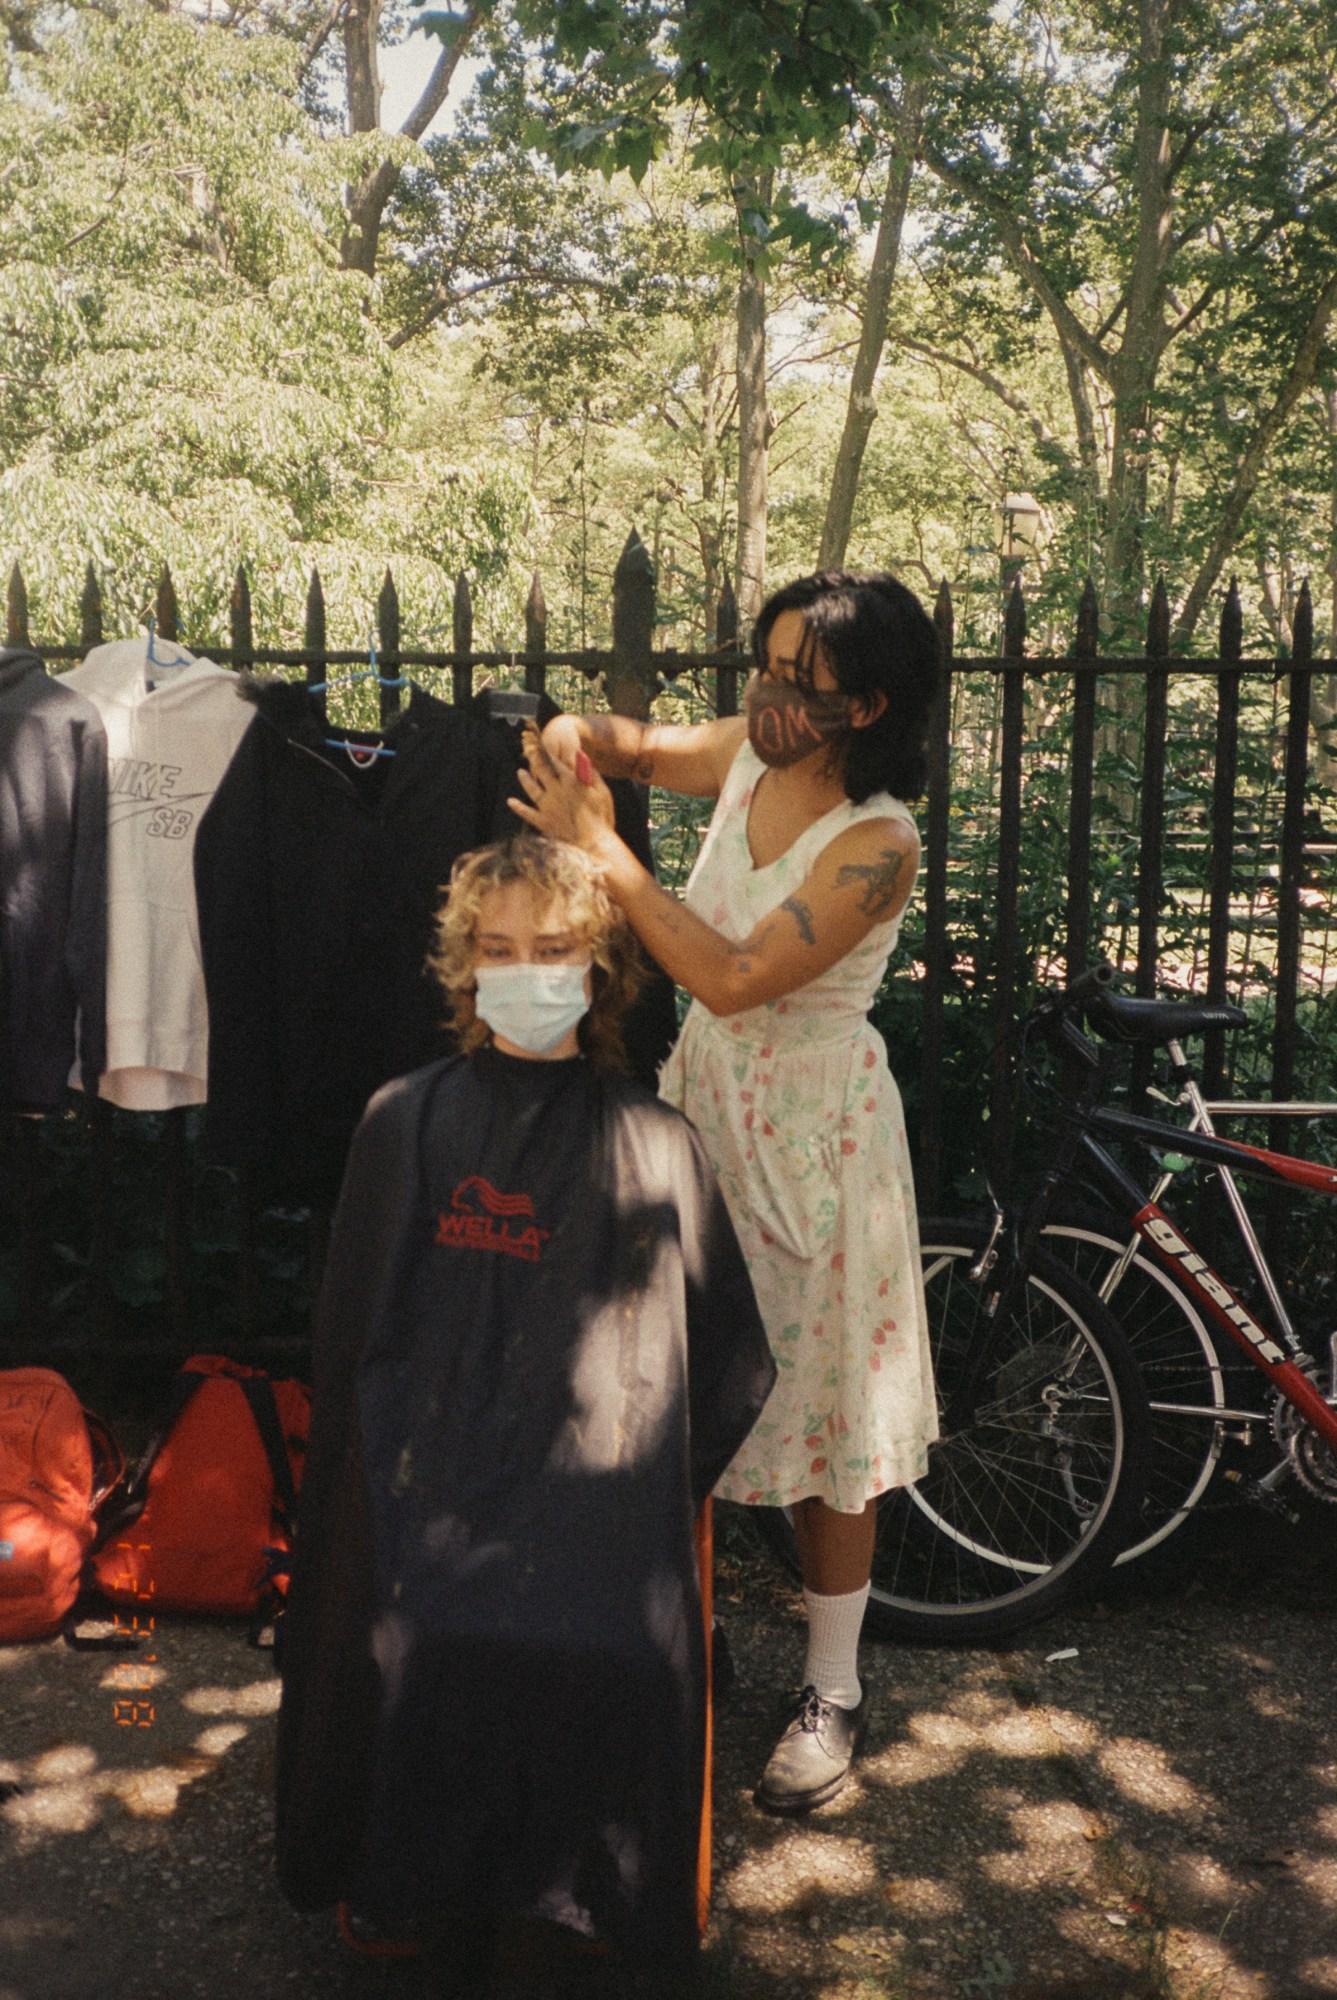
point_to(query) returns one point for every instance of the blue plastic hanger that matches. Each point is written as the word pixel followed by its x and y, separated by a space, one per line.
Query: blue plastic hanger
pixel 368 673
pixel 360 755
pixel 155 659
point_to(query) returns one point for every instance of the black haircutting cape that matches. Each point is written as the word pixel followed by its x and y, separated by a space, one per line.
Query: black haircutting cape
pixel 537 1349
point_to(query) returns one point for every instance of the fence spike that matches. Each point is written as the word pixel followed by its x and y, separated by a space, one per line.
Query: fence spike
pixel 726 617
pixel 1230 643
pixel 462 616
pixel 18 608
pixel 1014 623
pixel 944 619
pixel 536 616
pixel 313 632
pixel 313 637
pixel 90 610
pixel 1086 644
pixel 167 610
pixel 1302 627
pixel 239 620
pixel 387 628
pixel 462 636
pixel 536 637
pixel 1158 622
pixel 632 680
pixel 387 614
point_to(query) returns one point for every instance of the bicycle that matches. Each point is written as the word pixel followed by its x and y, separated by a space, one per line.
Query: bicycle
pixel 959 1556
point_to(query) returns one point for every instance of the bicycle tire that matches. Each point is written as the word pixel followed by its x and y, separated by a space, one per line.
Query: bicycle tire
pixel 1179 1363
pixel 942 1574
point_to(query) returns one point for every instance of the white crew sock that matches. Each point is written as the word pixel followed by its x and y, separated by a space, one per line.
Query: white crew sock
pixel 833 1645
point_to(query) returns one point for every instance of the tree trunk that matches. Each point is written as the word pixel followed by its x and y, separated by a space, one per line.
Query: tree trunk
pixel 711 361
pixel 367 203
pixel 752 195
pixel 1300 377
pixel 1135 367
pixel 861 409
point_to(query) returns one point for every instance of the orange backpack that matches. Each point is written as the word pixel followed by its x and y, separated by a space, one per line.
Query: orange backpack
pixel 57 1465
pixel 209 1511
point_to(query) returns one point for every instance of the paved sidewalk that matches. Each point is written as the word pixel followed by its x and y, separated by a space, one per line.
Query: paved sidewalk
pixel 1151 1816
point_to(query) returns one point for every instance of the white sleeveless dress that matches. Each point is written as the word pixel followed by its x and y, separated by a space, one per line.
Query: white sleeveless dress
pixel 803 1124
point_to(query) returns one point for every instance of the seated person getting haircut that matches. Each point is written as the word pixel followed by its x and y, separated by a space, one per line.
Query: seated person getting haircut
pixel 537 1349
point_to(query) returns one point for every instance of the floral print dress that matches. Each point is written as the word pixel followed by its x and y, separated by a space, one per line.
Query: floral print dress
pixel 803 1124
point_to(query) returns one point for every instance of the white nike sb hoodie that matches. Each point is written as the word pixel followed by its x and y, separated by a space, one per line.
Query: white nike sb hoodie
pixel 172 723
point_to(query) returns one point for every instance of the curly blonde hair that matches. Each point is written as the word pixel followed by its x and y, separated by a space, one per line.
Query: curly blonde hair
pixel 557 873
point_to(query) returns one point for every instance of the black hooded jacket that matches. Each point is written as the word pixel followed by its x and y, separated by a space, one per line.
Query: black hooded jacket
pixel 317 880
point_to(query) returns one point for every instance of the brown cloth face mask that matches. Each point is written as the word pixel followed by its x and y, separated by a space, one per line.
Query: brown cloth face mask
pixel 785 723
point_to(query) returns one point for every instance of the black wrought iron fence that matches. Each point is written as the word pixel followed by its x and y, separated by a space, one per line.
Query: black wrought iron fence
pixel 1062 820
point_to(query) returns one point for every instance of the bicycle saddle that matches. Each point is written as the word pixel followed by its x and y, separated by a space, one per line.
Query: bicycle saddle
pixel 1123 1020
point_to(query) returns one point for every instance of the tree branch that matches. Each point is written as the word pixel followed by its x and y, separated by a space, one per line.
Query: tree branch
pixel 368 204
pixel 1301 374
pixel 319 36
pixel 1028 265
pixel 996 386
pixel 448 296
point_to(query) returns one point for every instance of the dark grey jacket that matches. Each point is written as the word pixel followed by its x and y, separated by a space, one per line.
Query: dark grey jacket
pixel 53 885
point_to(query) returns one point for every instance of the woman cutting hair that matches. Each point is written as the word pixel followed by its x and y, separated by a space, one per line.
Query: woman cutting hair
pixel 782 940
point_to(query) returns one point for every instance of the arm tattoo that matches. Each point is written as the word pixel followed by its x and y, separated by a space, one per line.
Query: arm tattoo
pixel 741 952
pixel 878 881
pixel 802 915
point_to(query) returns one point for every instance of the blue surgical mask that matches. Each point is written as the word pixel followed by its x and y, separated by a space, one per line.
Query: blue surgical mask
pixel 531 1006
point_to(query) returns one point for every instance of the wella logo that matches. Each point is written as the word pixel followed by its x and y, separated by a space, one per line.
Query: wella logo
pixel 482 1218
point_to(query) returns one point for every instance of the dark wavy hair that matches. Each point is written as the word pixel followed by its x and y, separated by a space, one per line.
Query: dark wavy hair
pixel 877 638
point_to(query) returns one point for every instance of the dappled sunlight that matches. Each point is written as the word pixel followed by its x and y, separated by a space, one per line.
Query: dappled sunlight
pixel 1058 1820
pixel 1075 1732
pixel 1320 1974
pixel 55 1808
pixel 216 1742
pixel 63 1789
pixel 1201 1878
pixel 257 1698
pixel 65 1761
pixel 1215 1970
pixel 1053 1845
pixel 1142 1771
pixel 1317 1872
pixel 154 1794
pixel 921 1896
pixel 810 1864
pixel 1085 1928
pixel 910 1764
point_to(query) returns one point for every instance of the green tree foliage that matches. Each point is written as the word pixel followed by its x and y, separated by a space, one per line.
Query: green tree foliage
pixel 190 375
pixel 1162 180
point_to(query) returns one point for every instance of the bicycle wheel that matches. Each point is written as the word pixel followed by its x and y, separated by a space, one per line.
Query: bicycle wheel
pixel 1033 1499
pixel 1178 1362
